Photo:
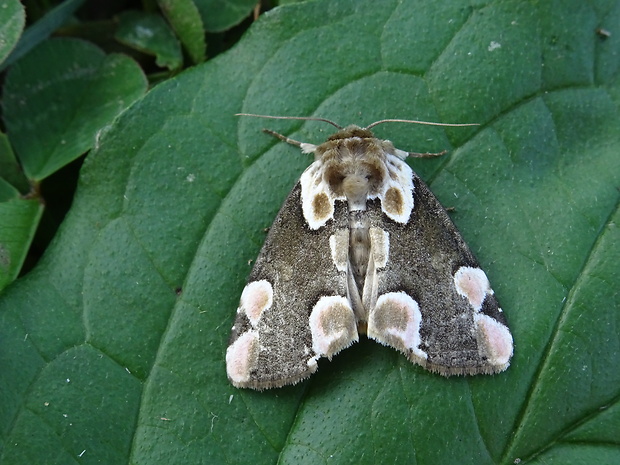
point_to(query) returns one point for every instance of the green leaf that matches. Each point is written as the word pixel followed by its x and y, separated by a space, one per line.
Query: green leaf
pixel 42 29
pixel 60 96
pixel 10 170
pixel 185 19
pixel 20 218
pixel 218 16
pixel 149 33
pixel 112 349
pixel 12 21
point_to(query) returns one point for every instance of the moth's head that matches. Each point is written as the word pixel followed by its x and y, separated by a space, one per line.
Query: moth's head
pixel 352 131
pixel 354 162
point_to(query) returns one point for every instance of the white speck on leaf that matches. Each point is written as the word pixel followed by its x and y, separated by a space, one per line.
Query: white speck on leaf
pixel 494 45
pixel 144 32
pixel 213 417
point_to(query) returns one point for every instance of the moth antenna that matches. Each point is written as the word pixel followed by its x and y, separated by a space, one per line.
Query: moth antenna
pixel 372 125
pixel 304 118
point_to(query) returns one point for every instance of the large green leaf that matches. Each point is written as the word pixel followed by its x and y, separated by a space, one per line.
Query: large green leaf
pixel 112 349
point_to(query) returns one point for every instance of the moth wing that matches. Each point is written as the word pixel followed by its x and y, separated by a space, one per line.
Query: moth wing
pixel 294 308
pixel 433 301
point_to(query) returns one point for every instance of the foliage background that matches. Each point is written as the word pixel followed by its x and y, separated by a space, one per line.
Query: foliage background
pixel 112 346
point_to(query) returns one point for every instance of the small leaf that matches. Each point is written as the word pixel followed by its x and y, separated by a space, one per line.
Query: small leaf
pixel 219 16
pixel 58 97
pixel 20 218
pixel 185 19
pixel 149 33
pixel 10 170
pixel 12 21
pixel 42 29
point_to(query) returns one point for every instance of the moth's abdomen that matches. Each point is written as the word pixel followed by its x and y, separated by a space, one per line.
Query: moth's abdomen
pixel 359 248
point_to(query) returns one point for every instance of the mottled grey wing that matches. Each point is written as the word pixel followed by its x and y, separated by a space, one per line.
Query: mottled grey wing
pixel 434 303
pixel 271 343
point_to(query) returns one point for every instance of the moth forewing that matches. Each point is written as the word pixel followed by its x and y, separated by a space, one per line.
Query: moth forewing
pixel 361 245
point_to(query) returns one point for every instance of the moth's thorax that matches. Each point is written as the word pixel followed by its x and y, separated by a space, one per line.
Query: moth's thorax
pixel 354 164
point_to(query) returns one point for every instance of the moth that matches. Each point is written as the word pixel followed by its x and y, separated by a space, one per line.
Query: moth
pixel 362 246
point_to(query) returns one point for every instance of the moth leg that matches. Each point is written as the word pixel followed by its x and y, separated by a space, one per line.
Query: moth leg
pixel 305 147
pixel 402 154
